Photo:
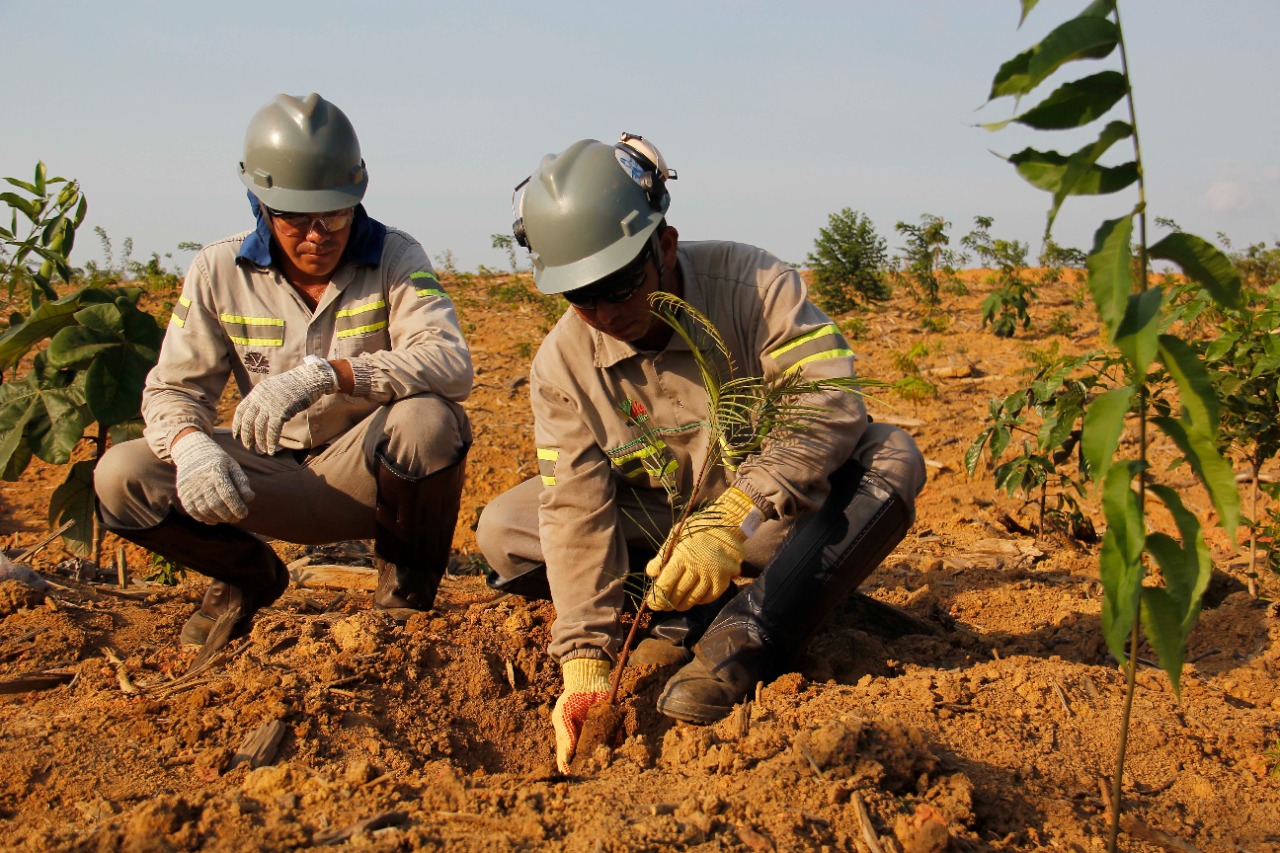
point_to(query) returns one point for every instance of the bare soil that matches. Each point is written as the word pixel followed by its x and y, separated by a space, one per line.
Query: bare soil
pixel 996 732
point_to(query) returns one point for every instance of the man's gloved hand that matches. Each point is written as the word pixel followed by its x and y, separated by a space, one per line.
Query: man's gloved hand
pixel 263 412
pixel 586 683
pixel 212 486
pixel 708 555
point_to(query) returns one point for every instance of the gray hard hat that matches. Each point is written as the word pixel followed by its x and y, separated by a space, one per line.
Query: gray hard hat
pixel 588 211
pixel 302 155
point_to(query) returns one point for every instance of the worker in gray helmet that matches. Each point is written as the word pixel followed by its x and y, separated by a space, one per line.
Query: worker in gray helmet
pixel 621 415
pixel 350 366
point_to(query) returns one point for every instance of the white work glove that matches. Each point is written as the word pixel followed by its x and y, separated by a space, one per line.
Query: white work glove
pixel 586 683
pixel 706 557
pixel 212 487
pixel 263 413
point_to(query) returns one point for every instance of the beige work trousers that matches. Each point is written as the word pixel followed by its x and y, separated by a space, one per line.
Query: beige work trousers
pixel 306 497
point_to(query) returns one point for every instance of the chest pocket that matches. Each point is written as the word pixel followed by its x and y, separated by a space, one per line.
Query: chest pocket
pixel 362 328
pixel 253 332
pixel 646 462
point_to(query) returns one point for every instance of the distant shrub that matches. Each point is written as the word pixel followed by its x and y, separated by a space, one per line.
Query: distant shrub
pixel 847 266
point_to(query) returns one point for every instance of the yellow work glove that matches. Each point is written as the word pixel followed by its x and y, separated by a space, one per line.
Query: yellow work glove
pixel 586 683
pixel 706 557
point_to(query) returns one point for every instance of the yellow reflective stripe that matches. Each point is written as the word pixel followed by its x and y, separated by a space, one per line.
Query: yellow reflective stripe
pixel 829 329
pixel 250 321
pixel 257 342
pixel 360 330
pixel 818 356
pixel 547 457
pixel 180 311
pixel 360 309
pixel 428 291
pixel 640 454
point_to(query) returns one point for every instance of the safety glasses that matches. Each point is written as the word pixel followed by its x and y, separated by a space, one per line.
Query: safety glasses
pixel 615 289
pixel 303 223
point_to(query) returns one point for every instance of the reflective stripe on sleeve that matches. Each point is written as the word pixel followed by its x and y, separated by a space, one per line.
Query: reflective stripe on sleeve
pixel 426 275
pixel 547 458
pixel 180 310
pixel 361 319
pixel 820 343
pixel 253 331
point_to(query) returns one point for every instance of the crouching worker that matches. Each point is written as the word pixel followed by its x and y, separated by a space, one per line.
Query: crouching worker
pixel 621 414
pixel 350 365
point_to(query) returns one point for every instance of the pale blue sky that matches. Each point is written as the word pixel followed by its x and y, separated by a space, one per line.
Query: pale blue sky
pixel 774 114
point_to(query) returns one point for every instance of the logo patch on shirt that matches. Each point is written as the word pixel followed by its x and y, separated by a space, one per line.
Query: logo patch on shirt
pixel 634 411
pixel 257 362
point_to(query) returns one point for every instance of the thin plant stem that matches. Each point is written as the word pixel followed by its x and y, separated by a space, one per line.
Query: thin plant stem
pixel 1131 679
pixel 625 653
pixel 1253 531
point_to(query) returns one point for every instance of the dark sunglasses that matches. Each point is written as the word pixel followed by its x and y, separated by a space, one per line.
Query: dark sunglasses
pixel 302 223
pixel 617 288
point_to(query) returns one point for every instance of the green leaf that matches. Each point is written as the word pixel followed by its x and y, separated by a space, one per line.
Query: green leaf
pixel 126 431
pixel 73 500
pixel 31 188
pixel 1027 6
pixel 1221 346
pixel 1187 570
pixel 1195 390
pixel 44 322
pixel 1073 104
pixel 1110 275
pixel 50 418
pixel 1170 613
pixel 1046 170
pixel 973 455
pixel 15 451
pixel 1083 176
pixel 119 344
pixel 1161 620
pixel 1080 38
pixel 28 208
pixel 1085 37
pixel 1120 562
pixel 1139 330
pixel 1214 471
pixel 1103 424
pixel 113 385
pixel 1204 264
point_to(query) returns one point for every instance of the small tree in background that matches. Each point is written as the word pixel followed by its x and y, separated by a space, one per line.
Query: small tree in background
pixel 848 263
pixel 924 253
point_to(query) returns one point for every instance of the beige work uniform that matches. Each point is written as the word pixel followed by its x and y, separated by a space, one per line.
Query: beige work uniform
pixel 601 487
pixel 392 322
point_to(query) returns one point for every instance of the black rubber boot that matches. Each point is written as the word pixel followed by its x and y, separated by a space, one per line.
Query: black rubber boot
pixel 757 634
pixel 416 517
pixel 246 573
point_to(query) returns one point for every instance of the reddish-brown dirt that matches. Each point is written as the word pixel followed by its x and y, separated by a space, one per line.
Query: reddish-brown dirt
pixel 997 733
